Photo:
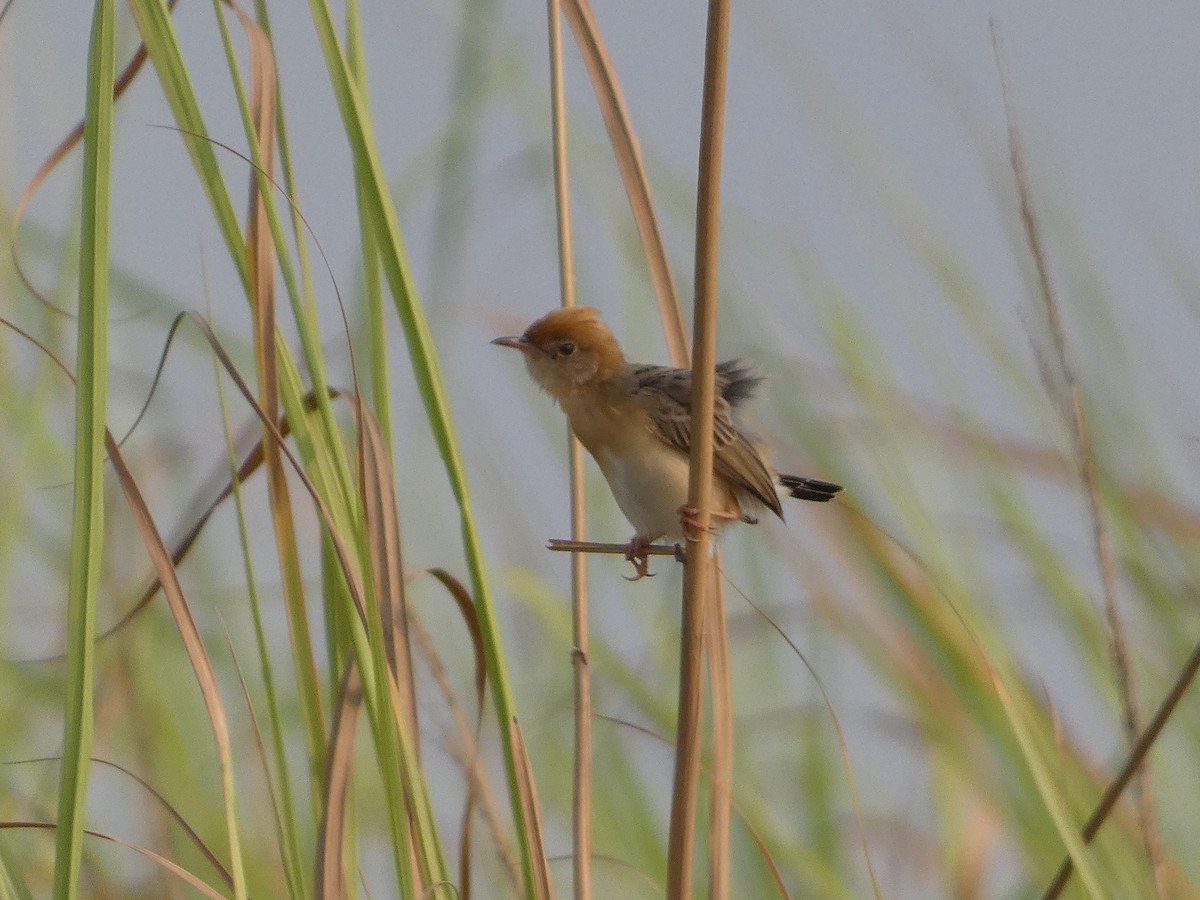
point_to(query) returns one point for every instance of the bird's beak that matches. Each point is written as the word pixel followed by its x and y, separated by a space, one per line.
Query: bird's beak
pixel 517 343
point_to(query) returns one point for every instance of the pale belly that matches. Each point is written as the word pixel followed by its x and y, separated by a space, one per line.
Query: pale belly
pixel 650 487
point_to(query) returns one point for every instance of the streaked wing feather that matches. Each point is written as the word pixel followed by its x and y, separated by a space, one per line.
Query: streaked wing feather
pixel 666 395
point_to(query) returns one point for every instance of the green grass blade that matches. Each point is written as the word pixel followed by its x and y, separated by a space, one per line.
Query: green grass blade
pixel 87 530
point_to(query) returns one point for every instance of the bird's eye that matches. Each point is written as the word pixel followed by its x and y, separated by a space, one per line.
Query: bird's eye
pixel 566 348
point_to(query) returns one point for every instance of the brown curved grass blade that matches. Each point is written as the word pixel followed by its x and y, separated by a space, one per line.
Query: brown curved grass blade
pixel 183 545
pixel 378 494
pixel 541 886
pixel 174 868
pixel 330 877
pixel 193 838
pixel 466 751
pixel 629 159
pixel 466 609
pixel 202 668
pixel 57 155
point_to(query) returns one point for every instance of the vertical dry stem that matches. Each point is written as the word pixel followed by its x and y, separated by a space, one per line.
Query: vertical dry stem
pixel 696 581
pixel 582 804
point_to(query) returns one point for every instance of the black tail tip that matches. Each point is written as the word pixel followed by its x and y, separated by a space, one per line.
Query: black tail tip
pixel 810 488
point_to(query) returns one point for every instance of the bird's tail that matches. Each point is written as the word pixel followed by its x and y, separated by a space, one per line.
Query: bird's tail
pixel 810 488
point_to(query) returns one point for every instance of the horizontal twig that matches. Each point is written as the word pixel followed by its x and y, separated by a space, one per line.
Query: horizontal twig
pixel 593 547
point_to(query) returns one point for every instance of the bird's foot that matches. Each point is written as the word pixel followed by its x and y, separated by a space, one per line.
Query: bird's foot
pixel 637 554
pixel 689 519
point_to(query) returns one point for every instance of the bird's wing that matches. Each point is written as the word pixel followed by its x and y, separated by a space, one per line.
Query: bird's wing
pixel 666 395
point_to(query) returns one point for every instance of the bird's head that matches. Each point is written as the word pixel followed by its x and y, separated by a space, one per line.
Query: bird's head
pixel 568 349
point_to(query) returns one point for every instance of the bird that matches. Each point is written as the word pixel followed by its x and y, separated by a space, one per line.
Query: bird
pixel 635 421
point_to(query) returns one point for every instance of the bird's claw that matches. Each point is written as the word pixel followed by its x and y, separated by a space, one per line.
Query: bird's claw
pixel 638 555
pixel 689 519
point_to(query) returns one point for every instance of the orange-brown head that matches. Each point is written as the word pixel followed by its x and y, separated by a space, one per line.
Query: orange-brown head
pixel 568 349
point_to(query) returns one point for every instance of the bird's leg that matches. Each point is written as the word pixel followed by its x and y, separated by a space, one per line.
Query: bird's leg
pixel 637 554
pixel 689 518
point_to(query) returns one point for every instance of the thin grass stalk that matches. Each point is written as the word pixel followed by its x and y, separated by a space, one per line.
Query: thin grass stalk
pixel 91 396
pixel 697 569
pixel 582 798
pixel 843 747
pixel 1089 475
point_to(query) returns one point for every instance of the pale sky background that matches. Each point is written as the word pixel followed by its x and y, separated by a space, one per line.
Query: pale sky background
pixel 858 134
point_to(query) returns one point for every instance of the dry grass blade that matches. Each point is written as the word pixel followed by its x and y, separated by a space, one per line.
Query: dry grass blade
pixel 720 686
pixel 193 838
pixel 174 868
pixel 183 545
pixel 383 537
pixel 345 559
pixel 273 789
pixel 179 552
pixel 1090 476
pixel 466 608
pixel 542 886
pixel 173 813
pixel 466 752
pixel 629 159
pixel 776 874
pixel 68 143
pixel 330 877
pixel 206 677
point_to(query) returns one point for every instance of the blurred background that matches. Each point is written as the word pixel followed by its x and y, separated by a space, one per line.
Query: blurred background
pixel 874 265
